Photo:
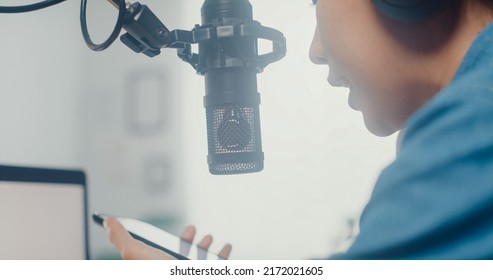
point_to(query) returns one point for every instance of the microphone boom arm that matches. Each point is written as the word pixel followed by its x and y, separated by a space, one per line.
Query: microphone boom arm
pixel 147 34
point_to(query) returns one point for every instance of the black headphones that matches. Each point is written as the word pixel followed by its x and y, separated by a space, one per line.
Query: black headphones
pixel 410 10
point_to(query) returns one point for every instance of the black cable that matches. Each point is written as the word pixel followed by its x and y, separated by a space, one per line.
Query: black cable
pixel 85 33
pixel 29 8
pixel 116 31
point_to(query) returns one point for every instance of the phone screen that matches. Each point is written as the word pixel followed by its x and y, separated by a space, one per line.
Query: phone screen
pixel 160 239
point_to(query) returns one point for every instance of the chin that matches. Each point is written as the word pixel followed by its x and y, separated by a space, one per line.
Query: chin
pixel 379 129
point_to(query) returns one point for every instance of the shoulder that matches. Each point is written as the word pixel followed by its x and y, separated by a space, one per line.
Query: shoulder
pixel 434 199
pixel 457 120
pixel 448 144
pixel 450 140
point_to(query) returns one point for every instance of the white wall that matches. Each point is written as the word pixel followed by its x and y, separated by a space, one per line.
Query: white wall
pixel 63 105
pixel 39 80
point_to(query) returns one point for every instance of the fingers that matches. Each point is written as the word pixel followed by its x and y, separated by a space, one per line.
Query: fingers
pixel 188 235
pixel 225 252
pixel 130 248
pixel 117 234
pixel 206 242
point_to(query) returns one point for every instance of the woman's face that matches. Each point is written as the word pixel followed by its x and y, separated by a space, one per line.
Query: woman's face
pixel 383 69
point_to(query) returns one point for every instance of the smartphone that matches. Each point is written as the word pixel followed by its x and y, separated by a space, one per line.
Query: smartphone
pixel 160 239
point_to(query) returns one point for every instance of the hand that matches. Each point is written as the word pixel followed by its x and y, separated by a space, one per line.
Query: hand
pixel 132 249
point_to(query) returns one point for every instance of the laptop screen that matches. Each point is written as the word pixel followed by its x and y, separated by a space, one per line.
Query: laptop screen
pixel 42 214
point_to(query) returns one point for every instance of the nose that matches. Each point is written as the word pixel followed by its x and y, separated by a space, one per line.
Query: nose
pixel 317 54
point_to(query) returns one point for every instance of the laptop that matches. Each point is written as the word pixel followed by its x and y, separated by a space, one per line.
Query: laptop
pixel 43 214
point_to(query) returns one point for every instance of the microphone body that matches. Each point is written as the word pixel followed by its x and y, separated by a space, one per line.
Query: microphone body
pixel 230 66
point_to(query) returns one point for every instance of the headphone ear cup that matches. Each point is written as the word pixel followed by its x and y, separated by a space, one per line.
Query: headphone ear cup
pixel 410 10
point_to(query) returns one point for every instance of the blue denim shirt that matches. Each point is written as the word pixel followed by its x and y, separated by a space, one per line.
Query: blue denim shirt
pixel 435 201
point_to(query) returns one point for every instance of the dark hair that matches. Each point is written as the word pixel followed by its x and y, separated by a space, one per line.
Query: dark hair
pixel 455 6
pixel 487 3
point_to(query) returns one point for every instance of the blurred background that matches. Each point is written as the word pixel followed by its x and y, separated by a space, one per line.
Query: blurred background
pixel 137 127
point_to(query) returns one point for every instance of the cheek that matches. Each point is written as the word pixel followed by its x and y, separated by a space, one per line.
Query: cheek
pixel 347 30
pixel 387 102
pixel 359 49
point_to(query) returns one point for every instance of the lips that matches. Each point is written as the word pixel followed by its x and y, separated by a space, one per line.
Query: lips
pixel 353 99
pixel 340 81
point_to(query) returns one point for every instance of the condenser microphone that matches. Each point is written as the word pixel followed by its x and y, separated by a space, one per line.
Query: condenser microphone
pixel 230 63
pixel 229 60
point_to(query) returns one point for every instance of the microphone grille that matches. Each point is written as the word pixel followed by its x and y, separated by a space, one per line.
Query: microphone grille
pixel 234 139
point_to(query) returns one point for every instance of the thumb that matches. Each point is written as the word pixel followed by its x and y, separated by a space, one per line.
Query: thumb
pixel 129 247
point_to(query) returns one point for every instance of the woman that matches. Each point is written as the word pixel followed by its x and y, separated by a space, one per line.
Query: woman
pixel 430 75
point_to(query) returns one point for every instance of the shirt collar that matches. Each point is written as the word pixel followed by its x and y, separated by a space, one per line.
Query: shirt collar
pixel 480 54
